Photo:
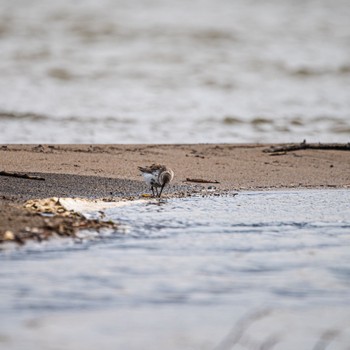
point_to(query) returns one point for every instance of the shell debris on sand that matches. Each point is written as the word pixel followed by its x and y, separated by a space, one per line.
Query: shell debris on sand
pixel 47 217
pixel 9 236
pixel 48 206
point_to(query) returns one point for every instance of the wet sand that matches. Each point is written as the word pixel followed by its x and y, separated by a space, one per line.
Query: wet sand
pixel 109 172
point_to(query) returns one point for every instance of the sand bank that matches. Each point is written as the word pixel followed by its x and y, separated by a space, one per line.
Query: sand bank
pixel 110 172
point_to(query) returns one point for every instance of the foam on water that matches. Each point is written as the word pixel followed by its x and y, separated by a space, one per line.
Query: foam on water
pixel 280 257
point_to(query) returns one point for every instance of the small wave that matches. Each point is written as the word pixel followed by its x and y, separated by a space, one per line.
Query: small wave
pixel 339 125
pixel 60 74
pixel 341 129
pixel 297 121
pixel 24 116
pixel 232 120
pixel 304 71
pixel 90 31
pixel 4 29
pixel 93 119
pixel 35 117
pixel 212 35
pixel 344 69
pixel 261 120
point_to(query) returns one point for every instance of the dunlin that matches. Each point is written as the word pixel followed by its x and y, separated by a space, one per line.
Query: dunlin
pixel 156 176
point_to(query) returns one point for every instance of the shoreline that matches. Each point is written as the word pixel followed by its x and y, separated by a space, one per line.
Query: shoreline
pixel 109 172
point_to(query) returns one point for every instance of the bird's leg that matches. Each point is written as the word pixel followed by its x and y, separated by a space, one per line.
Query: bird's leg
pixel 152 190
pixel 161 190
pixel 156 191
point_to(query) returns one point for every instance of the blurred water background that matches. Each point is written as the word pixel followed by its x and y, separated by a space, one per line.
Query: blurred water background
pixel 164 71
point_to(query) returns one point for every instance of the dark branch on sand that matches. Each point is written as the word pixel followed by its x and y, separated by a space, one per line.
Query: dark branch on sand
pixel 22 176
pixel 202 181
pixel 303 145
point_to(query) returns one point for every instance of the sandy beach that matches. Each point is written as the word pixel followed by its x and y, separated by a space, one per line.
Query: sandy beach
pixel 109 172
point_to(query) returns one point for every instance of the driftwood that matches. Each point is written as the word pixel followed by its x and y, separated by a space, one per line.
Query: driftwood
pixel 202 181
pixel 280 150
pixel 22 176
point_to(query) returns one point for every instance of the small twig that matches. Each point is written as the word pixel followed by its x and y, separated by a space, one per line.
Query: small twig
pixel 22 176
pixel 203 181
pixel 303 145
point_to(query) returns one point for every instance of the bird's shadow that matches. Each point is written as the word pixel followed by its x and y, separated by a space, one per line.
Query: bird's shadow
pixel 158 201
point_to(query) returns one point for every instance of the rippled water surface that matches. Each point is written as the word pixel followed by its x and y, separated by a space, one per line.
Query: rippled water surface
pixel 195 273
pixel 174 71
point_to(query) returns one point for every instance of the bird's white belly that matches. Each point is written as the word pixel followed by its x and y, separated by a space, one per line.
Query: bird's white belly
pixel 150 179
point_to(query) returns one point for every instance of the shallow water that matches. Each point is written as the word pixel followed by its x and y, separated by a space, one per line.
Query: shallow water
pixel 157 71
pixel 193 273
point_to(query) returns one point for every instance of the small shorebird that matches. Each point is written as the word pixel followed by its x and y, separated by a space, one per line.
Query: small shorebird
pixel 156 176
